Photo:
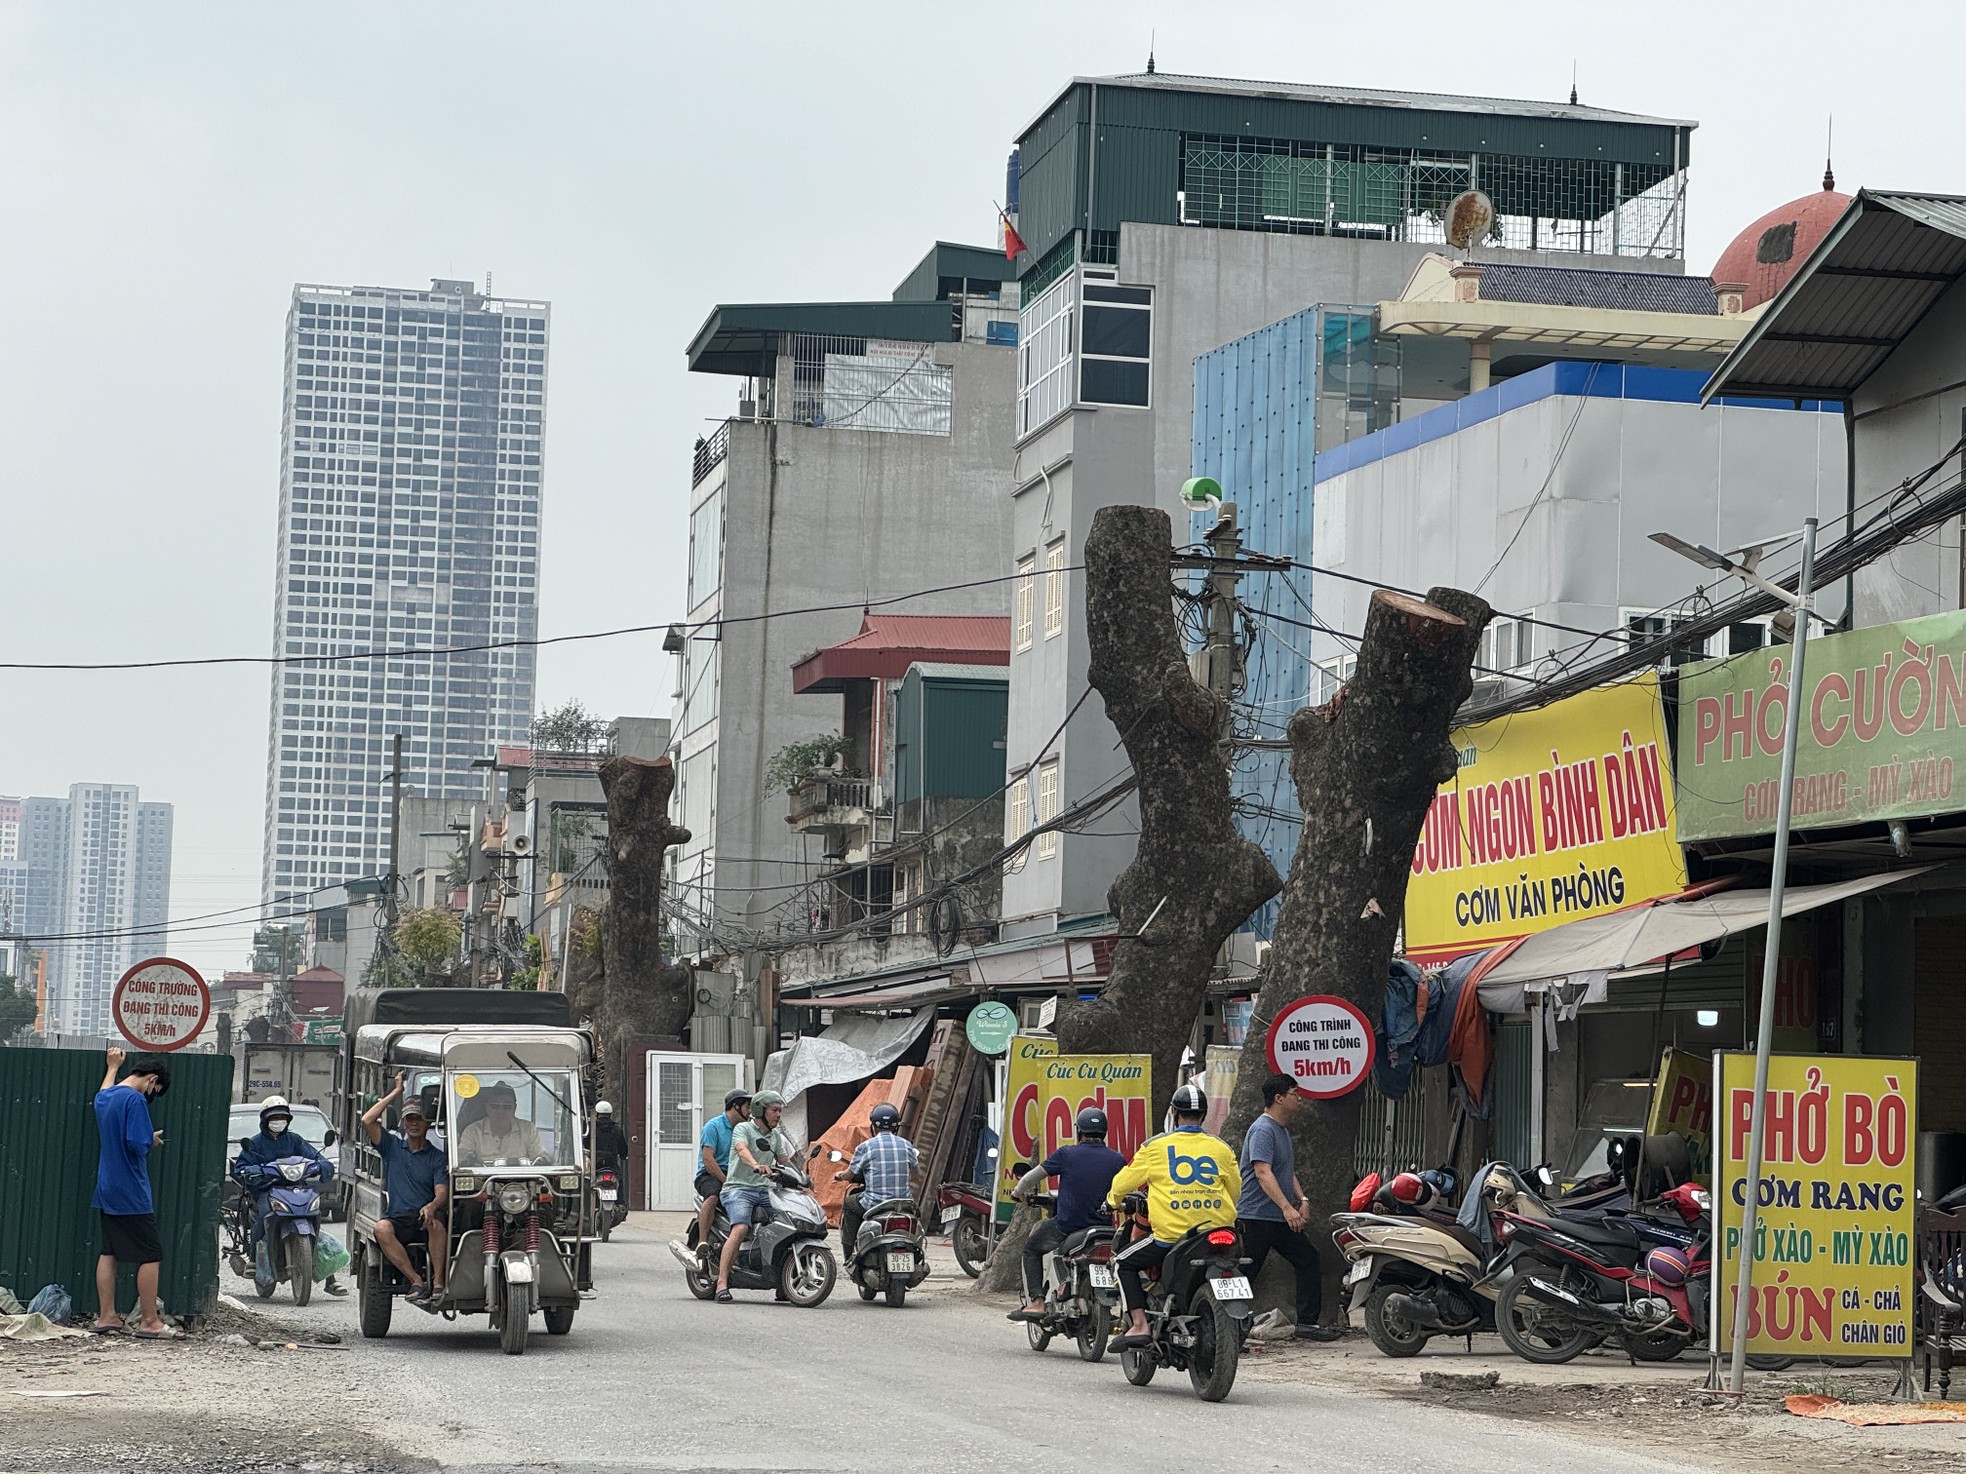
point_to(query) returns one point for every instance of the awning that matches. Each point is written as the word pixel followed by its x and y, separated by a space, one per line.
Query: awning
pixel 852 1049
pixel 907 995
pixel 1642 934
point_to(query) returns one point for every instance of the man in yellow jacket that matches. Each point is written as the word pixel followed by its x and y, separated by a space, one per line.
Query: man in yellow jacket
pixel 1192 1182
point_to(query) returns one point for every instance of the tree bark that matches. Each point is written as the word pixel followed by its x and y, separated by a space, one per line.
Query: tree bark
pixel 1366 766
pixel 640 991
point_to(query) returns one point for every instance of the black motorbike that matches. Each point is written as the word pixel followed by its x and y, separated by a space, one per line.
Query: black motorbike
pixel 1198 1311
pixel 1084 1289
pixel 890 1253
pixel 612 1209
pixel 785 1252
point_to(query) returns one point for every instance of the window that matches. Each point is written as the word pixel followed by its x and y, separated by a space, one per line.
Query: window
pixel 1328 675
pixel 706 546
pixel 1027 592
pixel 1645 625
pixel 1506 645
pixel 1017 821
pixel 1047 807
pixel 1045 356
pixel 1054 589
pixel 1116 344
pixel 699 683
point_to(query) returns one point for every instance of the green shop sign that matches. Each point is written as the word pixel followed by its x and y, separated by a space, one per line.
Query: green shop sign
pixel 1883 731
pixel 989 1027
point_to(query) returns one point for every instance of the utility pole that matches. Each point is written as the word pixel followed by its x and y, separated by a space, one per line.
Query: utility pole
pixel 390 908
pixel 1218 665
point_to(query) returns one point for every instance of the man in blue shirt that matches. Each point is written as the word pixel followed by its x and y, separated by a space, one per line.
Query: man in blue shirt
pixel 122 1197
pixel 416 1191
pixel 1085 1172
pixel 713 1158
pixel 883 1165
pixel 1271 1213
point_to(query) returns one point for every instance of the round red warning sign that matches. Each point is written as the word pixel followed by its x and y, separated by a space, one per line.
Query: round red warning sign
pixel 1324 1044
pixel 161 1004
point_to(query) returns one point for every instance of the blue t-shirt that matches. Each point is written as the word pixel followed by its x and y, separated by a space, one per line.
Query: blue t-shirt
pixel 1266 1141
pixel 1085 1170
pixel 410 1178
pixel 717 1133
pixel 123 1170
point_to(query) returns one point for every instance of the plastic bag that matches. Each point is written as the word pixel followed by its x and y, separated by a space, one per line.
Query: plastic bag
pixel 55 1303
pixel 329 1256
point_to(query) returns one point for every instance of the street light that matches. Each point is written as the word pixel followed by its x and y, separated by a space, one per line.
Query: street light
pixel 1798 602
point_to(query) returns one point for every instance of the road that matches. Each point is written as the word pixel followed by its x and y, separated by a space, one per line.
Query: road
pixel 651 1379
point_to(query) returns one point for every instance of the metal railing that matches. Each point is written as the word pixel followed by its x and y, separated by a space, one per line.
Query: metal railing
pixel 710 454
pixel 822 794
pixel 863 384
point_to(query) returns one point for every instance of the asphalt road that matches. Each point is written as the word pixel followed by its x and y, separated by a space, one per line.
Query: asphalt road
pixel 652 1379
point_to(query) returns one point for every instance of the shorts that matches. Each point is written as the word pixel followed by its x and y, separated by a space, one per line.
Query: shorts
pixel 707 1186
pixel 131 1238
pixel 410 1227
pixel 746 1204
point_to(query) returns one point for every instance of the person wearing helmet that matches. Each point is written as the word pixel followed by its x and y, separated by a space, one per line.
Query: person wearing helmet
pixel 756 1147
pixel 713 1154
pixel 1191 1181
pixel 610 1141
pixel 882 1166
pixel 1085 1172
pixel 1271 1213
pixel 275 1139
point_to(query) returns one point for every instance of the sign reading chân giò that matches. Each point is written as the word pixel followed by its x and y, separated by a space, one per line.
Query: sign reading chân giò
pixel 1883 726
pixel 1551 816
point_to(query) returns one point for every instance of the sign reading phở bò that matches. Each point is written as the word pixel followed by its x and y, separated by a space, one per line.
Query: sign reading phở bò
pixel 1835 1237
pixel 1551 816
pixel 1325 1044
pixel 1883 726
pixel 1044 1091
pixel 160 1004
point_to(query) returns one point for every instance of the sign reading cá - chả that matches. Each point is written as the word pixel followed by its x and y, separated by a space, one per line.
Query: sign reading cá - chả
pixel 1883 731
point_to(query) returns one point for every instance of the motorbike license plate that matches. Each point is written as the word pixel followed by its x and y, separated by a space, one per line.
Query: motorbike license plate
pixel 900 1263
pixel 608 1195
pixel 1103 1277
pixel 952 1214
pixel 1232 1287
pixel 1360 1269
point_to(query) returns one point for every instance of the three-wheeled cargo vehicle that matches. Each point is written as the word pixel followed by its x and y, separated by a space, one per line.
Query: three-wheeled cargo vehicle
pixel 502 1077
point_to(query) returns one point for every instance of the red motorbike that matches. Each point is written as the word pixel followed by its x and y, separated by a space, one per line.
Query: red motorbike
pixel 613 1207
pixel 966 1210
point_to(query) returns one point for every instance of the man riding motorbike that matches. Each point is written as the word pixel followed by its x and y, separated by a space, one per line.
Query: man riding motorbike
pixel 276 1139
pixel 610 1141
pixel 1085 1172
pixel 1191 1181
pixel 882 1166
pixel 757 1147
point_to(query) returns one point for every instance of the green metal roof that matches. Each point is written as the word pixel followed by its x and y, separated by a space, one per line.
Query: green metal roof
pixel 742 338
pixel 948 262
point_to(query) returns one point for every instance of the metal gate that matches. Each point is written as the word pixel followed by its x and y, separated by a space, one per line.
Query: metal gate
pixel 684 1090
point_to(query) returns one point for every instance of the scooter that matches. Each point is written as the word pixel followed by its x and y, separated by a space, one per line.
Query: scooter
pixel 607 1186
pixel 890 1253
pixel 1198 1311
pixel 785 1253
pixel 292 1221
pixel 966 1209
pixel 1084 1290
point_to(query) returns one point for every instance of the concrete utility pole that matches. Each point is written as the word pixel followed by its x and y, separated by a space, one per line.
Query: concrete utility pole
pixel 390 907
pixel 1223 671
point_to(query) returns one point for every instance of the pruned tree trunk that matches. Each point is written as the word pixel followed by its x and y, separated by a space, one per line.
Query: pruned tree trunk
pixel 641 992
pixel 1366 767
pixel 1192 872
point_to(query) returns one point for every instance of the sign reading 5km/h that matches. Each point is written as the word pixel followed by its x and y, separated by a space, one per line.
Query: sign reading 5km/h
pixel 161 1004
pixel 1324 1044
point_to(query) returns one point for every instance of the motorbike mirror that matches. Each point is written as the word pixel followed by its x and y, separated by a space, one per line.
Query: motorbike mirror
pixel 330 1138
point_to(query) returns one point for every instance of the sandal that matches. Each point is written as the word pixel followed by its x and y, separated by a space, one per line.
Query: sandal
pixel 169 1333
pixel 724 1297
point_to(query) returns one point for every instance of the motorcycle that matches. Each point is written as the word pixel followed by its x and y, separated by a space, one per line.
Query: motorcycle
pixel 1641 1277
pixel 1198 1311
pixel 1084 1290
pixel 966 1209
pixel 292 1221
pixel 613 1211
pixel 889 1255
pixel 785 1253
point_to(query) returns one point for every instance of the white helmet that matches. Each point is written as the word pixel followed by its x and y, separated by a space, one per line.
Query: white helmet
pixel 274 1100
pixel 602 1108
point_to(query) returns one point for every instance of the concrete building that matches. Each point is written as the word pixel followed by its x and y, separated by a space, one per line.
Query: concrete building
pixel 866 463
pixel 1167 216
pixel 410 476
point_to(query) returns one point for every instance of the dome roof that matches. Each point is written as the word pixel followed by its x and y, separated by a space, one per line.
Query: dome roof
pixel 1764 256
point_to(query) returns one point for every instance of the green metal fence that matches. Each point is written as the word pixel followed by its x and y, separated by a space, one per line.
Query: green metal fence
pixel 48 1148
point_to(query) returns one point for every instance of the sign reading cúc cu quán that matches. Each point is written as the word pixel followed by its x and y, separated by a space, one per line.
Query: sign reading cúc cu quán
pixel 1324 1044
pixel 1044 1091
pixel 161 1004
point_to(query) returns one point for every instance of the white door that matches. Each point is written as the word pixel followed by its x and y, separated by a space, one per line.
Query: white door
pixel 684 1091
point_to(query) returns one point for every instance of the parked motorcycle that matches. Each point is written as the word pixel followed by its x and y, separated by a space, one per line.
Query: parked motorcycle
pixel 292 1190
pixel 786 1253
pixel 613 1211
pixel 1084 1290
pixel 966 1208
pixel 1198 1311
pixel 1418 1273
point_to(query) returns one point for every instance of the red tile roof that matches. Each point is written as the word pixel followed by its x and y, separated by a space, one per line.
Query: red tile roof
pixel 889 643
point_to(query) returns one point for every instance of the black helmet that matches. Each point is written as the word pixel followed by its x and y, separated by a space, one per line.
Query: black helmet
pixel 1190 1100
pixel 736 1098
pixel 884 1117
pixel 1091 1123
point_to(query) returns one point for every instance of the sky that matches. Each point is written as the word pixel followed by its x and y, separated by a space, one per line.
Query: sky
pixel 168 172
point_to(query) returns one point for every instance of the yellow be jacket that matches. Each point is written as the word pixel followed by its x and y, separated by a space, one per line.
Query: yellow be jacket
pixel 1192 1181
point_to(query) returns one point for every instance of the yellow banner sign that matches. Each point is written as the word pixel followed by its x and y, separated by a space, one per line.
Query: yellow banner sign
pixel 1834 1240
pixel 1682 1105
pixel 1551 816
pixel 1044 1091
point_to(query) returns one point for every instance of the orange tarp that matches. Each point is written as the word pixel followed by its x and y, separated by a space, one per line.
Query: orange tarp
pixel 903 1092
pixel 1876 1414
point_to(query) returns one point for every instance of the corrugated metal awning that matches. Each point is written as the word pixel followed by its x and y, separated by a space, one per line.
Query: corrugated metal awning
pixel 1858 296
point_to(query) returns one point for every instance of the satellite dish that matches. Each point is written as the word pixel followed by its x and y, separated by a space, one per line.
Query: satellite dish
pixel 1470 216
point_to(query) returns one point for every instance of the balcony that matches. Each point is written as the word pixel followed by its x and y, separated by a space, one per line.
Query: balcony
pixel 835 800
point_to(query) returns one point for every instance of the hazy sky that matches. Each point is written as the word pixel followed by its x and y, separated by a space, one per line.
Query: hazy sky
pixel 169 171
